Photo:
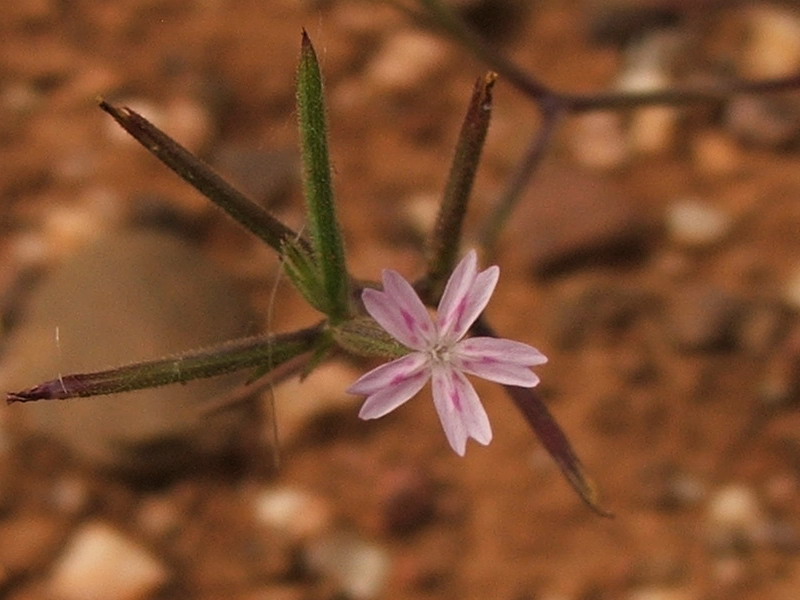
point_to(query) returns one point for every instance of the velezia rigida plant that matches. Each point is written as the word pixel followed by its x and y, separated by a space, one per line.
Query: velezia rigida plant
pixel 390 320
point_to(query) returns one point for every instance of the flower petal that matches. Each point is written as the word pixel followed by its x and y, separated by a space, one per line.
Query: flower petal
pixel 460 410
pixel 399 311
pixel 499 360
pixel 465 296
pixel 390 385
pixel 389 374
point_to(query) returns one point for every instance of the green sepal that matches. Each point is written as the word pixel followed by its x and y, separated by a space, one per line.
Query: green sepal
pixel 363 336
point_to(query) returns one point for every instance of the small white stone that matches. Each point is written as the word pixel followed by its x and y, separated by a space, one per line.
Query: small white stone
pixel 406 60
pixel 422 211
pixel 692 222
pixel 291 510
pixel 323 390
pixel 359 567
pixel 651 129
pixel 100 563
pixel 735 510
pixel 598 140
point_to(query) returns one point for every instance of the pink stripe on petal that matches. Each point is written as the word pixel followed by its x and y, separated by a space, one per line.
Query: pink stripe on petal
pixel 399 311
pixel 460 410
pixel 390 374
pixel 475 301
pixel 451 306
pixel 386 400
pixel 500 350
pixel 505 373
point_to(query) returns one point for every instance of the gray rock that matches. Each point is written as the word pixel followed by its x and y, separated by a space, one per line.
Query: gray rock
pixel 135 296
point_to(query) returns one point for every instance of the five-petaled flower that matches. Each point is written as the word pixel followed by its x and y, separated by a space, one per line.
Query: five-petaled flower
pixel 439 353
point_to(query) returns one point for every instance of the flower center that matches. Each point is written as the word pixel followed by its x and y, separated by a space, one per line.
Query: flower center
pixel 440 352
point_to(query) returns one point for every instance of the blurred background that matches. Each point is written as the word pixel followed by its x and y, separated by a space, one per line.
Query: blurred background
pixel 654 259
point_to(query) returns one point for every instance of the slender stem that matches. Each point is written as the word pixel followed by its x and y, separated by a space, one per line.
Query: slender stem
pixel 717 93
pixel 208 362
pixel 446 20
pixel 202 177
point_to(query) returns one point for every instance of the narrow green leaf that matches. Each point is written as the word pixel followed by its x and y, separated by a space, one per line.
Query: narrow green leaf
pixel 444 243
pixel 326 237
pixel 197 173
pixel 208 362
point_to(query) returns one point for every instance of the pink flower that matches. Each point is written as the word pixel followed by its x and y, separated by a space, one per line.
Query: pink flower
pixel 439 353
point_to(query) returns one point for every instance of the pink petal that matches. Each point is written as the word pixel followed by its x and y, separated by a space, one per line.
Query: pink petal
pixel 499 360
pixel 399 311
pixel 500 349
pixel 391 384
pixel 465 296
pixel 389 374
pixel 460 410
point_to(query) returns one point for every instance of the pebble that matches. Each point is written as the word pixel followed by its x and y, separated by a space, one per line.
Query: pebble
pixel 769 121
pixel 406 60
pixel 716 154
pixel 160 516
pixel 703 317
pixel 133 296
pixel 421 212
pixel 772 47
pixel 572 217
pixel 762 325
pixel 101 563
pixel 321 392
pixel 70 227
pixel 407 500
pixel 294 511
pixel 587 308
pixel 70 495
pixel 668 487
pixel 695 223
pixel 360 567
pixel 598 141
pixel 734 516
pixel 652 129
